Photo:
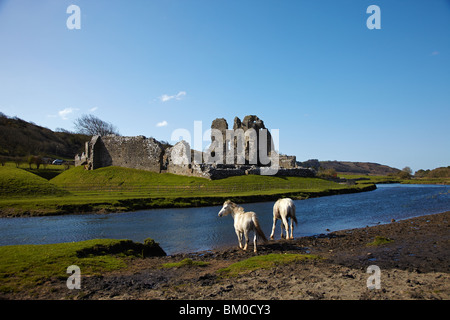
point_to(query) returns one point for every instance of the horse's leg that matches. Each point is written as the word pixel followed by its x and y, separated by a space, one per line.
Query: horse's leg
pixel 282 227
pixel 254 243
pixel 273 227
pixel 292 229
pixel 239 235
pixel 286 226
pixel 246 239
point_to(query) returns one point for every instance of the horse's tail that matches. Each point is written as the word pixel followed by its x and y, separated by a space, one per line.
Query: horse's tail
pixel 294 218
pixel 258 228
pixel 292 209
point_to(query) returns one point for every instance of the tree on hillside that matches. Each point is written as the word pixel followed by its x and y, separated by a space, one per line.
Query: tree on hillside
pixel 311 163
pixel 327 173
pixel 407 170
pixel 62 130
pixel 92 126
pixel 36 160
pixel 421 173
pixel 405 173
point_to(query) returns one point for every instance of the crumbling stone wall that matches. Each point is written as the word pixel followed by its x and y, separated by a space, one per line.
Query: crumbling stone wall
pixel 130 152
pixel 288 162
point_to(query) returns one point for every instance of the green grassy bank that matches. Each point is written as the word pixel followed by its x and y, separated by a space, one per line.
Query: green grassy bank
pixel 115 189
pixel 23 267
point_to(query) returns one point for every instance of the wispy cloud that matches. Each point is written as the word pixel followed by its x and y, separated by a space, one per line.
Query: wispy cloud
pixel 162 124
pixel 93 109
pixel 178 96
pixel 64 114
pixel 435 53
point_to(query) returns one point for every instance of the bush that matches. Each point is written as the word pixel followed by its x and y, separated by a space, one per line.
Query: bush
pixel 404 175
pixel 327 173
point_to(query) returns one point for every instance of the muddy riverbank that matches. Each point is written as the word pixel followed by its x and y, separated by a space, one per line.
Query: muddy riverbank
pixel 413 256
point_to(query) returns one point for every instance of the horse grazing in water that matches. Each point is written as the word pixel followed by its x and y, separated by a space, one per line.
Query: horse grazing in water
pixel 244 222
pixel 284 209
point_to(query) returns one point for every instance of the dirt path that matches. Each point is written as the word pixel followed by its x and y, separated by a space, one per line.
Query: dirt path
pixel 415 265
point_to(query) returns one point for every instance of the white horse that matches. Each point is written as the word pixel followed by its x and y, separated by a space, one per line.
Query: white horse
pixel 284 209
pixel 244 222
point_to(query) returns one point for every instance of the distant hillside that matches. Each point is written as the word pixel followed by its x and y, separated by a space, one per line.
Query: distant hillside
pixel 442 172
pixel 21 138
pixel 369 168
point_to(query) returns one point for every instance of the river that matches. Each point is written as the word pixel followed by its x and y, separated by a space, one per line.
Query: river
pixel 197 229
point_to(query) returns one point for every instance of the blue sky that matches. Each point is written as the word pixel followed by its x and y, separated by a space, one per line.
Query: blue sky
pixel 312 69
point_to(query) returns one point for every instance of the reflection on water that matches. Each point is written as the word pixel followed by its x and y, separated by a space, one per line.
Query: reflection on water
pixel 195 229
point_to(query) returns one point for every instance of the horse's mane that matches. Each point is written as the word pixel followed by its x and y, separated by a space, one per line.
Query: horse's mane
pixel 236 208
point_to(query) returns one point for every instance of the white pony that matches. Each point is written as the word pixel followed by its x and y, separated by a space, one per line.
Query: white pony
pixel 244 222
pixel 284 209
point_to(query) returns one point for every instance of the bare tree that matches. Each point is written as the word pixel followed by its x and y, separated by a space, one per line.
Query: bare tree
pixel 18 161
pixel 91 125
pixel 407 170
pixel 405 173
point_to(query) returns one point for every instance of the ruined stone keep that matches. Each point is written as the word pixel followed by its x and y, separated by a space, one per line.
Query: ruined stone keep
pixel 242 144
pixel 240 149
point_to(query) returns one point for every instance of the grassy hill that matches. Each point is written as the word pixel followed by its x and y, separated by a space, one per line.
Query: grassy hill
pixel 114 189
pixel 118 180
pixel 20 138
pixel 112 177
pixel 442 172
pixel 15 182
pixel 368 168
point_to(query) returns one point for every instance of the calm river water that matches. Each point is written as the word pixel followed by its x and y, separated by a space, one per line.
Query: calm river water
pixel 196 229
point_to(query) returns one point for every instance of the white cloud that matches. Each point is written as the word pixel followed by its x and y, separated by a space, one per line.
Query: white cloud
pixel 93 109
pixel 178 96
pixel 65 112
pixel 165 98
pixel 162 124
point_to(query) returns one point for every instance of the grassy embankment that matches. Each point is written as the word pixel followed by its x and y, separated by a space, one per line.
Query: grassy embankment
pixel 27 268
pixel 365 179
pixel 121 189
pixel 23 267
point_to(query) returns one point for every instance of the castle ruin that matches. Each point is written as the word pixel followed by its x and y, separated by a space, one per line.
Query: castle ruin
pixel 247 149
